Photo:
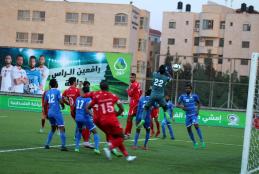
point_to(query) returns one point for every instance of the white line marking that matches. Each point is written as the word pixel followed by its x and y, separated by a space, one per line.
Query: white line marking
pixel 225 144
pixel 69 145
pixel 3 116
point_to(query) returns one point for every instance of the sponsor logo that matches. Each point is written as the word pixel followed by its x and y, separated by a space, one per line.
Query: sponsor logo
pixel 233 120
pixel 120 66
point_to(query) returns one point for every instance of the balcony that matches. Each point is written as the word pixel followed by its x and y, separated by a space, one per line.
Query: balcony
pixel 206 50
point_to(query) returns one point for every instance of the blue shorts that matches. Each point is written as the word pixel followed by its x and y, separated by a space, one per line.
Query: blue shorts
pixel 147 120
pixel 86 122
pixel 56 120
pixel 190 120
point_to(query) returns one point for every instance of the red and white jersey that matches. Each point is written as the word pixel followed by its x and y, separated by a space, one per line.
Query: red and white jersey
pixel 71 94
pixel 6 75
pixel 134 92
pixel 105 102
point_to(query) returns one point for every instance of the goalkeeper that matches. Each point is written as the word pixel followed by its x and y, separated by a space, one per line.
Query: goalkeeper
pixel 159 81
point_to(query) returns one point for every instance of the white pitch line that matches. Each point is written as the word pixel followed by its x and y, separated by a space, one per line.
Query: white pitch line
pixel 3 116
pixel 215 143
pixel 69 145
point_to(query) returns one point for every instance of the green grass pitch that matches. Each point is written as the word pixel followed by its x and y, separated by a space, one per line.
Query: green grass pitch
pixel 19 130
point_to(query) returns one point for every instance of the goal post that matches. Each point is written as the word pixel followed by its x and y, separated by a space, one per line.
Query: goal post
pixel 250 155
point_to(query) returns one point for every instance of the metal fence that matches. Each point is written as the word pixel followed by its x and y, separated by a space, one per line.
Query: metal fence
pixel 220 82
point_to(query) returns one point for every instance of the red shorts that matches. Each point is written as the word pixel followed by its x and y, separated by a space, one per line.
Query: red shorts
pixel 133 110
pixel 111 126
pixel 154 113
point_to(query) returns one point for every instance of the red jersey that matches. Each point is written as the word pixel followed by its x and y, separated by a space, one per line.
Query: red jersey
pixel 134 92
pixel 71 94
pixel 105 102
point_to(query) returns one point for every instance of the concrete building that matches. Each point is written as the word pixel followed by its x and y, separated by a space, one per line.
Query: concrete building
pixel 219 31
pixel 153 50
pixel 76 26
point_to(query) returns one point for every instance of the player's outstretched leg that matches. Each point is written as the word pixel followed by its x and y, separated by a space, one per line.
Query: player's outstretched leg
pixel 157 127
pixel 146 138
pixel 63 138
pixel 135 145
pixel 203 145
pixel 78 138
pixel 195 144
pixel 96 141
pixel 50 135
pixel 170 128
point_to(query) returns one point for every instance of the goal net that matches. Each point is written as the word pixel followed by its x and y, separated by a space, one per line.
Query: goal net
pixel 250 156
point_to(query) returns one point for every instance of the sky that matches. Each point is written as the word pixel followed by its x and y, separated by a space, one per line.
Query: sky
pixel 157 7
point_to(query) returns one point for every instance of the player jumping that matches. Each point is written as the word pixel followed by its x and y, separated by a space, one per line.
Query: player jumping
pixel 108 119
pixel 53 100
pixel 159 81
pixel 190 103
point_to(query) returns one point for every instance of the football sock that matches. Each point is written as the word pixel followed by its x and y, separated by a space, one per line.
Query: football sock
pixel 163 128
pixel 86 134
pixel 49 137
pixel 170 128
pixel 78 138
pixel 96 141
pixel 199 134
pixel 136 139
pixel 123 150
pixel 42 123
pixel 128 127
pixel 63 138
pixel 147 138
pixel 191 136
pixel 157 126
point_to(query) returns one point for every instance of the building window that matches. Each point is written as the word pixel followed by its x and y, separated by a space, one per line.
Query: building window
pixel 230 42
pixel 172 25
pixel 196 41
pixel 245 44
pixel 209 43
pixel 38 15
pixel 143 23
pixel 231 24
pixel 171 41
pixel 197 24
pixel 87 18
pixel 121 19
pixel 70 40
pixel 185 40
pixel 37 38
pixel 72 17
pixel 221 42
pixel 207 24
pixel 222 25
pixel 186 22
pixel 246 27
pixel 140 66
pixel 22 37
pixel 220 60
pixel 195 59
pixel 119 42
pixel 23 15
pixel 244 62
pixel 86 41
pixel 142 45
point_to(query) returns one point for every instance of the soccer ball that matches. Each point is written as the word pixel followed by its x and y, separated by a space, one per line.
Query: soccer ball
pixel 31 88
pixel 176 67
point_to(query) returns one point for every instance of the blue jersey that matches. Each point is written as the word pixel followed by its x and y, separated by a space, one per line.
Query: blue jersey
pixel 35 80
pixel 142 101
pixel 81 113
pixel 189 102
pixel 53 97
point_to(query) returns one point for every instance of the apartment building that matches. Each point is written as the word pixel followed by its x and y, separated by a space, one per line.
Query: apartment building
pixel 81 26
pixel 218 30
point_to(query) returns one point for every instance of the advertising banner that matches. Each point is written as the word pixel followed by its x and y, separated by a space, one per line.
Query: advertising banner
pixel 206 117
pixel 61 65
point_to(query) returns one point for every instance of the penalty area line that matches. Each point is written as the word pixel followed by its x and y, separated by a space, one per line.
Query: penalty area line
pixel 69 145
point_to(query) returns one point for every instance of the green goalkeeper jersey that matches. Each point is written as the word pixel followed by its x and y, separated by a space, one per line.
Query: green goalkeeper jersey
pixel 159 82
